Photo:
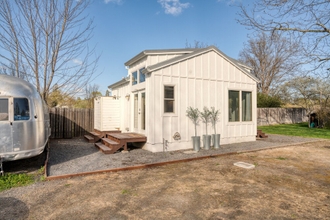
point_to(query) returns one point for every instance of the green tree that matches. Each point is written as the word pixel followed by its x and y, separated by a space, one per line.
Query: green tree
pixel 267 101
pixel 59 99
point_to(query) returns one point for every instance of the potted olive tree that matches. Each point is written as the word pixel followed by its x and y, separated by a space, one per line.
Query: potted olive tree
pixel 205 115
pixel 214 119
pixel 193 115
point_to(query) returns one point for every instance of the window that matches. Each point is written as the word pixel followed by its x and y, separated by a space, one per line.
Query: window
pixel 246 106
pixel 3 109
pixel 143 110
pixel 134 78
pixel 21 109
pixel 136 110
pixel 142 77
pixel 233 105
pixel 169 99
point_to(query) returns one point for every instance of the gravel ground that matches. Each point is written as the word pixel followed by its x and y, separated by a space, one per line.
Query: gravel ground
pixel 290 182
pixel 74 156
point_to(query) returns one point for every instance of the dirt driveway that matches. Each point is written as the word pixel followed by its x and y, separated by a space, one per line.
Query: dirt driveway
pixel 287 183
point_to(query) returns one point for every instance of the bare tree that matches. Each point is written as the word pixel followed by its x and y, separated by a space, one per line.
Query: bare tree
pixel 91 92
pixel 311 93
pixel 307 22
pixel 303 91
pixel 272 58
pixel 47 43
pixel 196 45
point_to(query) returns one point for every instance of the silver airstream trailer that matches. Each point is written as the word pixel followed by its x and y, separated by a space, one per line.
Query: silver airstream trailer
pixel 24 120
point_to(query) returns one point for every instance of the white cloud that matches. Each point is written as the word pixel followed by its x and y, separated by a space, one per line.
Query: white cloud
pixel 77 61
pixel 230 2
pixel 173 7
pixel 113 1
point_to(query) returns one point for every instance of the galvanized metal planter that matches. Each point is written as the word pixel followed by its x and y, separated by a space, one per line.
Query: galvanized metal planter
pixel 216 141
pixel 207 142
pixel 196 143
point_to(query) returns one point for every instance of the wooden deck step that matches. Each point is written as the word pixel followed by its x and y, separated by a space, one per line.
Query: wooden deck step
pixel 103 148
pixel 89 138
pixel 93 137
pixel 112 142
pixel 107 141
pixel 260 134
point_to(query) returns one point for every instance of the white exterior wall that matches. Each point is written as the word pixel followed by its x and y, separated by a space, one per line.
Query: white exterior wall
pixel 200 81
pixel 154 59
pixel 123 95
pixel 106 114
pixel 97 113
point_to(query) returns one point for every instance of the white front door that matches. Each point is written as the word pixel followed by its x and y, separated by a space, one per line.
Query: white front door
pixel 139 119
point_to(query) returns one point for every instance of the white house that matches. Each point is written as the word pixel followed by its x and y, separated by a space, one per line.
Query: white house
pixel 162 84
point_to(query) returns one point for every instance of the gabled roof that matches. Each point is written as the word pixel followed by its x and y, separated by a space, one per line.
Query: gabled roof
pixel 184 54
pixel 197 52
pixel 119 83
pixel 159 52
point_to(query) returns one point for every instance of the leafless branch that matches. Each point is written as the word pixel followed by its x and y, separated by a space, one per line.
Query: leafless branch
pixel 47 43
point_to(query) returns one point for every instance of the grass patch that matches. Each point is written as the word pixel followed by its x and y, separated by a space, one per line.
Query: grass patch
pixel 125 192
pixel 300 129
pixel 281 158
pixel 15 180
pixel 10 180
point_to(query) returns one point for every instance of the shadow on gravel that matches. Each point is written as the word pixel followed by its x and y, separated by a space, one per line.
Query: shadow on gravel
pixel 63 150
pixel 28 165
pixel 11 208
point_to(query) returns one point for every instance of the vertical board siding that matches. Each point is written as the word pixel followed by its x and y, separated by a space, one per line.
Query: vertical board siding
pixel 110 114
pixel 203 80
pixel 69 123
pixel 97 112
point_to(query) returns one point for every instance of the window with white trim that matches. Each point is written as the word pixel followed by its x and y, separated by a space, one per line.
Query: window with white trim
pixel 142 77
pixel 233 105
pixel 134 78
pixel 246 106
pixel 169 99
pixel 239 106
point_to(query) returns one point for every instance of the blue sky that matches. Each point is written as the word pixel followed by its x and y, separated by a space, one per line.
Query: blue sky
pixel 124 28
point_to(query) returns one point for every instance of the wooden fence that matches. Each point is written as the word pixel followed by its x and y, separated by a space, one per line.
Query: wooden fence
pixel 269 116
pixel 69 123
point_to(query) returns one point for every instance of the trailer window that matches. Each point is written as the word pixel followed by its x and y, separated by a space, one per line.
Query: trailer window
pixel 3 109
pixel 21 109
